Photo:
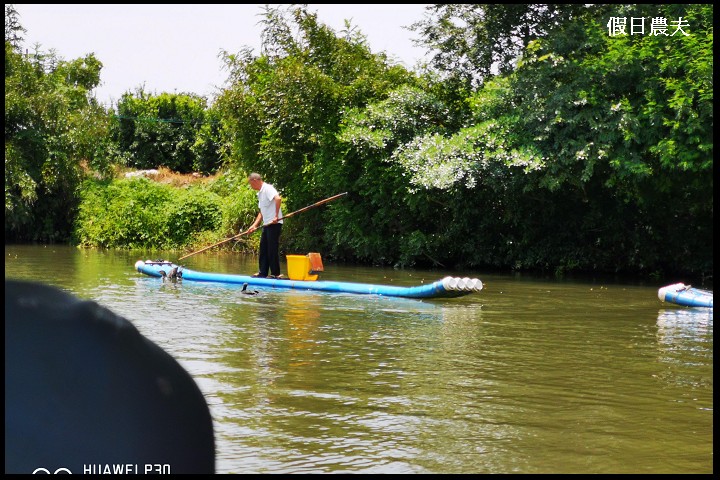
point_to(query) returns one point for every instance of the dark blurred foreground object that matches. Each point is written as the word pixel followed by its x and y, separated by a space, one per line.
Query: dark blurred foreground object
pixel 84 389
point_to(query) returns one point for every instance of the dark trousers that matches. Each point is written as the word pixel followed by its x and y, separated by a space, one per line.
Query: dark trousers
pixel 269 250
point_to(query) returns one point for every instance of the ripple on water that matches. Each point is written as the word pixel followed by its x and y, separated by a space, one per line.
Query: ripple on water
pixel 528 376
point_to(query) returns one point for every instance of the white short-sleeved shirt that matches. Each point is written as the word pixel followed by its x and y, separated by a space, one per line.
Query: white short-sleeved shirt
pixel 265 195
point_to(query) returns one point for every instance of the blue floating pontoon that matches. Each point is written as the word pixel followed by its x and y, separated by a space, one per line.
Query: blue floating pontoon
pixel 685 295
pixel 447 287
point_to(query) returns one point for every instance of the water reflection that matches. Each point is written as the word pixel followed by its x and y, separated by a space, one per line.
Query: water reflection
pixel 684 324
pixel 326 370
pixel 685 348
pixel 303 322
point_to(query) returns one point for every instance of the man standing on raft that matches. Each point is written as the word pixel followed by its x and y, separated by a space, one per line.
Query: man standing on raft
pixel 269 201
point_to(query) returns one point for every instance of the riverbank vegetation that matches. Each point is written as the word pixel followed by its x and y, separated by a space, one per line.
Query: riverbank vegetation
pixel 544 141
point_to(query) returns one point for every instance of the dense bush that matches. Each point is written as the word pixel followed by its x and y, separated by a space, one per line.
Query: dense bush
pixel 140 213
pixel 177 131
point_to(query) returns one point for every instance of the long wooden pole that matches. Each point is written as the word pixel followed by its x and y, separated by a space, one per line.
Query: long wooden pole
pixel 321 202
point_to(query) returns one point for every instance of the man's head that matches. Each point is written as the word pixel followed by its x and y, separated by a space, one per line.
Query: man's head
pixel 255 181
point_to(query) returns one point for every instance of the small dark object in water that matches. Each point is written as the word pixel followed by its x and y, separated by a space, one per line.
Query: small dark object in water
pixel 174 275
pixel 248 292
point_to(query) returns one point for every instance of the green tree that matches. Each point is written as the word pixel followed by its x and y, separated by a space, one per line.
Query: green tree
pixel 618 132
pixel 283 108
pixel 385 222
pixel 472 42
pixel 13 29
pixel 176 131
pixel 55 133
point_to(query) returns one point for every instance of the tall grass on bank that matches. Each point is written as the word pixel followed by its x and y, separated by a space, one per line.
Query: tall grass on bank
pixel 141 213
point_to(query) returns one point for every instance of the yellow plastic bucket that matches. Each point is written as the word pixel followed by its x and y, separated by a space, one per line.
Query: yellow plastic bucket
pixel 298 267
